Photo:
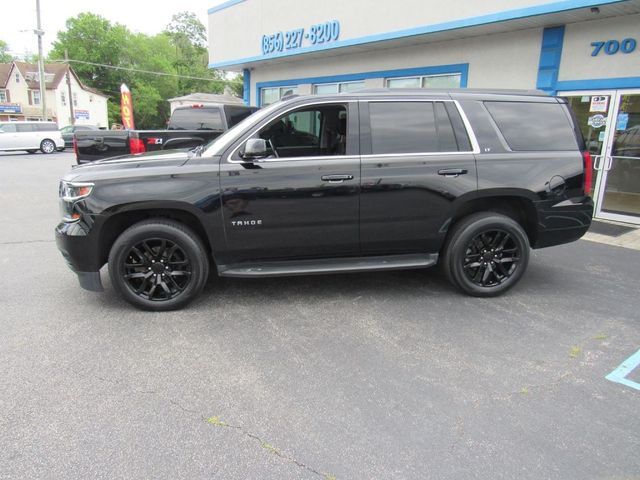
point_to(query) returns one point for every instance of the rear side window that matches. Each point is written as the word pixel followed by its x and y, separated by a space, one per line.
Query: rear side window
pixel 46 127
pixel 533 126
pixel 196 119
pixel 26 127
pixel 414 127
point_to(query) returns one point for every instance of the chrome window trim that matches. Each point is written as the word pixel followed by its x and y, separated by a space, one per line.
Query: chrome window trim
pixel 475 148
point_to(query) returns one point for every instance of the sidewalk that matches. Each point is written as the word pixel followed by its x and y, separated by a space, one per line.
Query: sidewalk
pixel 629 239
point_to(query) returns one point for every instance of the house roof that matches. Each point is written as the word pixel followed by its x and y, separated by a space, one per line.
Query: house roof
pixel 208 97
pixel 5 72
pixel 54 74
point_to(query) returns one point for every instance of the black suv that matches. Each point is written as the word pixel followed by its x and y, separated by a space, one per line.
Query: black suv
pixel 374 180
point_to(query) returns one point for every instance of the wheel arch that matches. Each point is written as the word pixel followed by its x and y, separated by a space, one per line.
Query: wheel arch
pixel 118 221
pixel 516 204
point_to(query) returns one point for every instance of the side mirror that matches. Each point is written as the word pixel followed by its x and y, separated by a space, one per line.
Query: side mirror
pixel 255 149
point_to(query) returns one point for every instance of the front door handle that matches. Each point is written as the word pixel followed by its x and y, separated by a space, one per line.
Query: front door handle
pixel 336 178
pixel 452 172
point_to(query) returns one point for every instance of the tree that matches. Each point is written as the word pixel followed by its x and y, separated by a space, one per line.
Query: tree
pixel 5 57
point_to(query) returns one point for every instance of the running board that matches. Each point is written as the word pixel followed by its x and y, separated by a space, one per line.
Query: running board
pixel 329 265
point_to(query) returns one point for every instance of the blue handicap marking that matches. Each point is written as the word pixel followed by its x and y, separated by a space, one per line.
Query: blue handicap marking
pixel 619 375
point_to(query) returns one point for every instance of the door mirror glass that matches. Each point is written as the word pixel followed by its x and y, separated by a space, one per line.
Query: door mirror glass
pixel 255 148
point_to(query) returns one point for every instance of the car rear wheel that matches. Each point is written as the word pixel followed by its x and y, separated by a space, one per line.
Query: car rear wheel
pixel 47 146
pixel 486 254
pixel 158 265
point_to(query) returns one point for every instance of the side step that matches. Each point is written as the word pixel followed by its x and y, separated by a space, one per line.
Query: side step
pixel 328 265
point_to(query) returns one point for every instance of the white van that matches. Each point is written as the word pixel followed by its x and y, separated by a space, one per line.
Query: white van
pixel 31 136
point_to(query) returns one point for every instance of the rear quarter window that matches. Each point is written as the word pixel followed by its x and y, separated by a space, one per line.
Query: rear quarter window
pixel 528 126
pixel 46 127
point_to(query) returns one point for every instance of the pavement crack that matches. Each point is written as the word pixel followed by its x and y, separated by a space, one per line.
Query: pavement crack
pixel 216 421
pixel 26 242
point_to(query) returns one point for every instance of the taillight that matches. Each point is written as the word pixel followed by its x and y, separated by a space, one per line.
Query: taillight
pixel 136 145
pixel 588 172
pixel 75 145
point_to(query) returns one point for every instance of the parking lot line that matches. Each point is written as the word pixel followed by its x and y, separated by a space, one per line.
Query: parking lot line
pixel 619 374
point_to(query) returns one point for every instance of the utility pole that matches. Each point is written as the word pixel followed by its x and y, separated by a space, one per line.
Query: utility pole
pixel 43 91
pixel 66 60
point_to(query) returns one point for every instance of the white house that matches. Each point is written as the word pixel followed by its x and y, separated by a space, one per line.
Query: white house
pixel 20 95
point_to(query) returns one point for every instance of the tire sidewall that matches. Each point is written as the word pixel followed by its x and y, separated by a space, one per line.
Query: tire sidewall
pixel 473 226
pixel 178 234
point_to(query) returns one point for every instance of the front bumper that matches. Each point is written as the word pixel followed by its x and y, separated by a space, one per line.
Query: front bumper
pixel 79 249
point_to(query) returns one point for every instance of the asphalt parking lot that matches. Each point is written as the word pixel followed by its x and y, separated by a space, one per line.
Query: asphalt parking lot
pixel 379 375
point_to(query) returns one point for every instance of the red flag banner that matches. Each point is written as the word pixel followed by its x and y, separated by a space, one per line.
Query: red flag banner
pixel 126 107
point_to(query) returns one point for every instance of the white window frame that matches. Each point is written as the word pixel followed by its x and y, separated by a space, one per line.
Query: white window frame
pixel 337 84
pixel 422 77
pixel 280 92
pixel 35 96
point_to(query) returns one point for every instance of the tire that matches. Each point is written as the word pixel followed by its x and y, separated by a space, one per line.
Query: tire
pixel 486 254
pixel 31 152
pixel 47 146
pixel 148 272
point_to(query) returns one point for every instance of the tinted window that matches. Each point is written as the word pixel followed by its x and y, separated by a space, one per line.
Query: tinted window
pixel 26 127
pixel 533 126
pixel 7 127
pixel 46 127
pixel 411 127
pixel 196 119
pixel 235 114
pixel 309 132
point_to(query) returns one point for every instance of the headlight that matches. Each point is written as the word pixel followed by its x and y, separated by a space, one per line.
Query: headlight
pixel 74 191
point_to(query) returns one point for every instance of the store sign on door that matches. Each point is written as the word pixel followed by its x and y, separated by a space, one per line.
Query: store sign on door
pixel 597 121
pixel 599 104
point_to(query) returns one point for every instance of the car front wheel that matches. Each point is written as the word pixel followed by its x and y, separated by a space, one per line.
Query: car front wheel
pixel 158 265
pixel 486 254
pixel 47 146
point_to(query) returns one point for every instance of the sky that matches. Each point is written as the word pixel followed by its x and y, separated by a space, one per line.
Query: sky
pixel 144 16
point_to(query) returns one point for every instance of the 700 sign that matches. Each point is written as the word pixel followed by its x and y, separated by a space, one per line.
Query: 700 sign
pixel 611 47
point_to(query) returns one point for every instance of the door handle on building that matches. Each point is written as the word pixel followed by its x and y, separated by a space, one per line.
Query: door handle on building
pixel 597 162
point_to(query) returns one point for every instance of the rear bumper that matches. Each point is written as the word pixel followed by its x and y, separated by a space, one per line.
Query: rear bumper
pixel 78 249
pixel 563 222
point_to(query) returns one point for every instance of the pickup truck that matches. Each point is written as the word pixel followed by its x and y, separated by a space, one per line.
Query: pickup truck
pixel 188 127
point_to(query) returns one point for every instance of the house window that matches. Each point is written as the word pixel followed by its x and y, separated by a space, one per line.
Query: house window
pixel 17 77
pixel 272 95
pixel 4 96
pixel 34 97
pixel 447 80
pixel 63 98
pixel 338 87
pixel 75 99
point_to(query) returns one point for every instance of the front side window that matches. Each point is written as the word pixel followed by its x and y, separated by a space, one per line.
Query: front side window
pixel 416 127
pixel 8 128
pixel 308 132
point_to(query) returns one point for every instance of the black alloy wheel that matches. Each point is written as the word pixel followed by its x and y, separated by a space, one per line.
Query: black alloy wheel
pixel 491 258
pixel 157 269
pixel 158 265
pixel 486 254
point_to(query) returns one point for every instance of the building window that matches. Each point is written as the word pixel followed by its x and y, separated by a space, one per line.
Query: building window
pixel 75 99
pixel 4 96
pixel 343 87
pixel 272 95
pixel 17 77
pixel 63 98
pixel 35 97
pixel 447 80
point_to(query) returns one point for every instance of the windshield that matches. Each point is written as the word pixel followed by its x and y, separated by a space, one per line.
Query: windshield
pixel 218 145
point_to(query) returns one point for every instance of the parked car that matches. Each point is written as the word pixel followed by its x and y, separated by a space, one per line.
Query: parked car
pixel 188 127
pixel 373 180
pixel 30 136
pixel 68 131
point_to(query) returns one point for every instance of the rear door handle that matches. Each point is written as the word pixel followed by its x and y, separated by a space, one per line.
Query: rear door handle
pixel 336 178
pixel 452 172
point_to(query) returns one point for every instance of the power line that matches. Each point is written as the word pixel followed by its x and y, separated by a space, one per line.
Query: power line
pixel 163 74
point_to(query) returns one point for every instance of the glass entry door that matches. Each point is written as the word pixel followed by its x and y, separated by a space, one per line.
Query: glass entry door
pixel 610 124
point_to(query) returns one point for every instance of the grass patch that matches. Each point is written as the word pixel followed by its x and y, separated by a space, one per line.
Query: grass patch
pixel 601 336
pixel 575 351
pixel 216 421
